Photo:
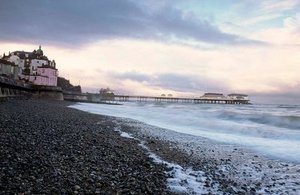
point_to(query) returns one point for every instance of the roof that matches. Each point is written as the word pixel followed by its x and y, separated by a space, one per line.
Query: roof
pixel 7 62
pixel 47 66
pixel 214 94
pixel 22 54
pixel 31 55
pixel 237 94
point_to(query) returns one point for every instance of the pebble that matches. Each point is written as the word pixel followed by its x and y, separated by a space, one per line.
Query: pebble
pixel 77 187
pixel 53 149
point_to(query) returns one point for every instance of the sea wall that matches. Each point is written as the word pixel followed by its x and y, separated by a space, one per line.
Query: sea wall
pixel 10 88
pixel 87 97
pixel 47 92
pixel 76 97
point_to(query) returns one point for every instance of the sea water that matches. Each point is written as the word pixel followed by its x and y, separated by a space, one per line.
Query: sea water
pixel 273 130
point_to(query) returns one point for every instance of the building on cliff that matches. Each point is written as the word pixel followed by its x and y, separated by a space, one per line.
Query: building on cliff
pixel 45 75
pixel 34 66
pixel 9 69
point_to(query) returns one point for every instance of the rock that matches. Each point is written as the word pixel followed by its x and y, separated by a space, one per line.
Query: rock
pixel 77 187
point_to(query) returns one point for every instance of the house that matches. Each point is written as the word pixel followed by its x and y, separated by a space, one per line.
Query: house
pixel 213 96
pixel 9 69
pixel 237 96
pixel 45 75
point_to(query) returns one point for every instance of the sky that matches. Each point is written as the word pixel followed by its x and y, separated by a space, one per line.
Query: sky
pixel 151 47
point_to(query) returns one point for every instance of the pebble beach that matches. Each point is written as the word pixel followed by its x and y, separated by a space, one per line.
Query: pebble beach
pixel 48 147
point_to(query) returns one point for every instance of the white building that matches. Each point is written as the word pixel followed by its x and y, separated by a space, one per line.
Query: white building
pixel 29 61
pixel 237 96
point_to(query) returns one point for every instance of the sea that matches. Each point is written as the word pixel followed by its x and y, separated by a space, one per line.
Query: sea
pixel 271 130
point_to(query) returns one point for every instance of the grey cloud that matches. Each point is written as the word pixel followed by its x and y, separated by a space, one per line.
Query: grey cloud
pixel 76 22
pixel 134 76
pixel 176 82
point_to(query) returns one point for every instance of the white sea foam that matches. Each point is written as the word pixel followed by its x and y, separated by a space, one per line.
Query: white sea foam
pixel 269 129
pixel 179 179
pixel 183 180
pixel 124 134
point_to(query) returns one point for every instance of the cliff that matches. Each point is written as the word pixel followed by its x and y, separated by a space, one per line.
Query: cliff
pixel 67 86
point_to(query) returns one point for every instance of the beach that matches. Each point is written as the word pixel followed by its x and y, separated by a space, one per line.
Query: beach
pixel 47 148
pixel 50 147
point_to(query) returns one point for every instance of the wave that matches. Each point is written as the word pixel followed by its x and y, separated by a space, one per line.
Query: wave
pixel 289 122
pixel 285 121
pixel 267 128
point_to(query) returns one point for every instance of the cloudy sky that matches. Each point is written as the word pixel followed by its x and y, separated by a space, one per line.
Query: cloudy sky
pixel 150 47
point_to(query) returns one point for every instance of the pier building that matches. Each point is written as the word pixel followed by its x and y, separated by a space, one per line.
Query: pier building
pixel 237 96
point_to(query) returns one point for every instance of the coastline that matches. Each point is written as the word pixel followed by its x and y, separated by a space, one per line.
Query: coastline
pixel 79 152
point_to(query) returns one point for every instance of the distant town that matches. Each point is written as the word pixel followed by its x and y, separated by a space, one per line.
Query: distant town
pixel 33 73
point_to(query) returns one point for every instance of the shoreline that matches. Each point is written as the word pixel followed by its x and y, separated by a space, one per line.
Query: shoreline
pixel 234 168
pixel 214 167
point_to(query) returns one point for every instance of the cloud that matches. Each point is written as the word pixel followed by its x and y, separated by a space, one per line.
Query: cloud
pixel 278 5
pixel 174 82
pixel 134 76
pixel 74 22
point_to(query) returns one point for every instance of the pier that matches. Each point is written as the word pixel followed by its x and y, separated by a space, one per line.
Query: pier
pixel 117 99
pixel 201 100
